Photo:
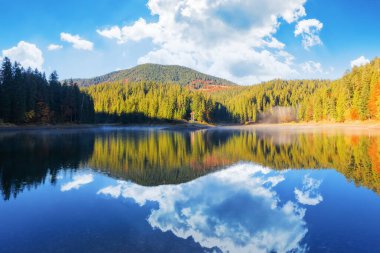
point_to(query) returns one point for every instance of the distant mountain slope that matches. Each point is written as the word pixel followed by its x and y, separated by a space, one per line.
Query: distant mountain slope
pixel 157 73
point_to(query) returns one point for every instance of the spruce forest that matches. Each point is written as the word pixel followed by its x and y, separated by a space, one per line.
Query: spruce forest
pixel 26 96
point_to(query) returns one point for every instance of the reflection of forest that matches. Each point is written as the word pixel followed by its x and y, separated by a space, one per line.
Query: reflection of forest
pixel 163 157
pixel 28 160
pixel 153 158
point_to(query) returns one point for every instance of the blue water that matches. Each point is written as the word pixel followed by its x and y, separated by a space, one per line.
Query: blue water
pixel 239 207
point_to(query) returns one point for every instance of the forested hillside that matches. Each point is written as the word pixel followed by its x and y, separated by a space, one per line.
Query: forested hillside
pixel 26 96
pixel 261 102
pixel 159 74
pixel 356 96
pixel 154 101
pixel 353 97
pixel 129 102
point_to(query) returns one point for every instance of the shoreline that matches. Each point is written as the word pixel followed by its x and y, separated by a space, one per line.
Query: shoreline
pixel 375 124
pixel 349 128
pixel 167 126
pixel 357 125
pixel 11 127
pixel 306 125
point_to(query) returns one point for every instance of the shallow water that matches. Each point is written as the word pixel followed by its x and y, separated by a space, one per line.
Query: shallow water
pixel 150 190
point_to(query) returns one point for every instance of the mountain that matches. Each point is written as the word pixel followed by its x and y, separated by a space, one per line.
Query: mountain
pixel 157 73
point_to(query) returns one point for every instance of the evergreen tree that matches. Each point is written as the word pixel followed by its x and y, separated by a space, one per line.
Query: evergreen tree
pixel 6 87
pixel 18 96
pixel 27 97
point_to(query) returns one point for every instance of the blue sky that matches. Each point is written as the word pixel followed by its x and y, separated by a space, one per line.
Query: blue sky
pixel 247 41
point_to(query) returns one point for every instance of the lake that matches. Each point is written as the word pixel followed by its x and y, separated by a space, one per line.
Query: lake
pixel 142 189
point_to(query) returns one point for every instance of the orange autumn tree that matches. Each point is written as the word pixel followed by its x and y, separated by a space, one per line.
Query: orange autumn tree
pixel 373 100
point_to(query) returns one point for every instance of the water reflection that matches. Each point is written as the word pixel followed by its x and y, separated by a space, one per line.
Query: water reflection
pixel 154 157
pixel 28 160
pixel 218 190
pixel 161 157
pixel 77 182
pixel 309 194
pixel 233 210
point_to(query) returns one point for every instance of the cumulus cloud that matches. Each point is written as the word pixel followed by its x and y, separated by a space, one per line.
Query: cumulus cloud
pixel 209 209
pixel 232 39
pixel 138 31
pixel 54 47
pixel 309 194
pixel 359 62
pixel 112 33
pixel 309 30
pixel 312 67
pixel 27 54
pixel 77 41
pixel 78 181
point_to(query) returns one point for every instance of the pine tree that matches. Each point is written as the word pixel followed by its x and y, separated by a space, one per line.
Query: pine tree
pixel 6 87
pixel 55 96
pixel 19 95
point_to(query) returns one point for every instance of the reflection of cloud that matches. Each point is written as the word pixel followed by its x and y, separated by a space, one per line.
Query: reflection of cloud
pixel 309 194
pixel 235 210
pixel 113 191
pixel 78 181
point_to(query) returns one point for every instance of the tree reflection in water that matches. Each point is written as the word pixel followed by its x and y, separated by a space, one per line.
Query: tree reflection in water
pixel 153 157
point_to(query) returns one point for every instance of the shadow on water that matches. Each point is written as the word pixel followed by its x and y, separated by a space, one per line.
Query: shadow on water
pixel 152 157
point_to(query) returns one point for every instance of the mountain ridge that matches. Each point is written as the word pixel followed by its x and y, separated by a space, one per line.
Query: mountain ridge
pixel 157 73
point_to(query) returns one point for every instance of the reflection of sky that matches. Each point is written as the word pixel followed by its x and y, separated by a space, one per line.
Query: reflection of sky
pixel 77 182
pixel 235 210
pixel 309 194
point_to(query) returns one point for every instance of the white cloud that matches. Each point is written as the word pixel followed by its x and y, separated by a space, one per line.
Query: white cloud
pixel 198 209
pixel 309 194
pixel 77 41
pixel 111 33
pixel 54 47
pixel 27 54
pixel 232 39
pixel 359 62
pixel 309 30
pixel 78 181
pixel 138 31
pixel 312 67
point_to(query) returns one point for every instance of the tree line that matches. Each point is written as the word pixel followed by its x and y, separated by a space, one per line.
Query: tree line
pixel 143 101
pixel 253 103
pixel 130 102
pixel 356 96
pixel 353 97
pixel 26 96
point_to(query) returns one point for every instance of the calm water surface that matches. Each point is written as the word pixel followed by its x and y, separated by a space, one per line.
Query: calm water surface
pixel 151 190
